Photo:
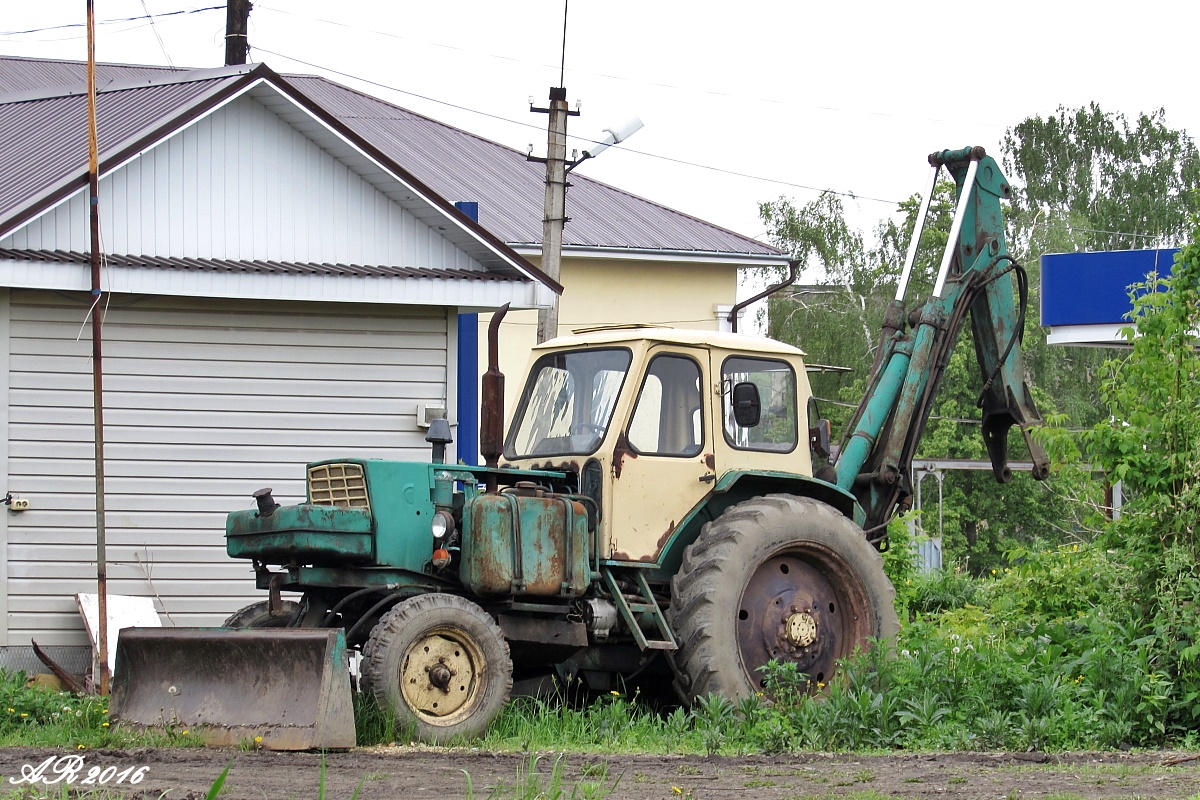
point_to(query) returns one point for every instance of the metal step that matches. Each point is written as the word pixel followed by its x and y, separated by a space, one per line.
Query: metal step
pixel 630 609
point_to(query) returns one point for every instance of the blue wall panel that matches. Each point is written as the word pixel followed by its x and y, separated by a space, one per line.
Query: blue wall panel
pixel 1093 288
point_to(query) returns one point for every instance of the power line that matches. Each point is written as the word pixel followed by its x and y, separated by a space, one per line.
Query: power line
pixel 147 15
pixel 580 138
pixel 624 78
pixel 161 45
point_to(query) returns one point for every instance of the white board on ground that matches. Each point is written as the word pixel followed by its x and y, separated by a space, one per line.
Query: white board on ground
pixel 124 611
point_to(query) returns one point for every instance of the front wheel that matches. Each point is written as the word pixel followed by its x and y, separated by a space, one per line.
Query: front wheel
pixel 440 664
pixel 258 615
pixel 776 577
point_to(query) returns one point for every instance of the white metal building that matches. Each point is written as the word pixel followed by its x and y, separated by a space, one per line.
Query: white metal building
pixel 281 291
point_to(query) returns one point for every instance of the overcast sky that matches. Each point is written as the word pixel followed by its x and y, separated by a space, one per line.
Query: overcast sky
pixel 795 96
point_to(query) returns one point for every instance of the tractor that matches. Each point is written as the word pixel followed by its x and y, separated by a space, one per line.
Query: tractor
pixel 663 503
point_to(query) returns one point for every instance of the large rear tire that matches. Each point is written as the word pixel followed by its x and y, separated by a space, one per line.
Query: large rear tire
pixel 258 615
pixel 776 577
pixel 440 664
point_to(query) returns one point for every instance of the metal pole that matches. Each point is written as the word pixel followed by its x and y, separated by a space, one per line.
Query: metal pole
pixel 911 256
pixel 97 354
pixel 956 226
pixel 237 45
pixel 556 205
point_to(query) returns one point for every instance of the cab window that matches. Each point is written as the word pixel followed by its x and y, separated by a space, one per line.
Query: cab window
pixel 775 428
pixel 667 419
pixel 568 403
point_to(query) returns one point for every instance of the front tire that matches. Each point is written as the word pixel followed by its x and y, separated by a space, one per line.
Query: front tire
pixel 440 664
pixel 258 615
pixel 776 577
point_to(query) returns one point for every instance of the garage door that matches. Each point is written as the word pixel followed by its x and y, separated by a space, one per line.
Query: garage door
pixel 206 401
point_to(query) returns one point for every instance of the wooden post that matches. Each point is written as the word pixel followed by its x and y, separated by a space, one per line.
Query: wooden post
pixel 237 43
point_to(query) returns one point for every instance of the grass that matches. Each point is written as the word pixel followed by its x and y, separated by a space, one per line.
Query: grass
pixel 35 716
pixel 531 783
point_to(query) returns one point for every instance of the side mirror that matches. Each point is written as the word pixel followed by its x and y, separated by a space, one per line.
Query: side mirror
pixel 747 408
pixel 819 437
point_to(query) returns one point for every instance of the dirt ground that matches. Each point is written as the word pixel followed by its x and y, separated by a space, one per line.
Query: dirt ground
pixel 414 773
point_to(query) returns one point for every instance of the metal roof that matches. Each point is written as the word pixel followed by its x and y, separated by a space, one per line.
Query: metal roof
pixel 627 334
pixel 19 74
pixel 43 153
pixel 43 140
pixel 262 267
pixel 510 189
pixel 455 164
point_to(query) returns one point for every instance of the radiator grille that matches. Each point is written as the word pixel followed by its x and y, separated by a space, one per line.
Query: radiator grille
pixel 341 485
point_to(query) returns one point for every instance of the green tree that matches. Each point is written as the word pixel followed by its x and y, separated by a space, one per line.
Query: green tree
pixel 1113 184
pixel 838 322
pixel 1150 441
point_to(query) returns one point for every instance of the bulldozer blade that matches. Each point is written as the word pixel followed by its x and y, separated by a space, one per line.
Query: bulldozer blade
pixel 227 687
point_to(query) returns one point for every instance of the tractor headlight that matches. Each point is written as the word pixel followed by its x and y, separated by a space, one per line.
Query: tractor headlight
pixel 442 525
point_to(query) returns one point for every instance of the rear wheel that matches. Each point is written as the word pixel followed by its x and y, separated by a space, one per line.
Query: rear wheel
pixel 441 665
pixel 777 577
pixel 258 615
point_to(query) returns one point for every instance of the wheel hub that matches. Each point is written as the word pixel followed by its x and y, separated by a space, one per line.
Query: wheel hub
pixel 801 629
pixel 797 609
pixel 437 676
pixel 440 676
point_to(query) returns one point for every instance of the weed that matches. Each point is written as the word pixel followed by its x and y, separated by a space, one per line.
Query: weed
pixel 532 784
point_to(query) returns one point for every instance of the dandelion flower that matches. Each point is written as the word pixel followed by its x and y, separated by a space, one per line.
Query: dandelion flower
pixel 676 790
pixel 956 651
pixel 258 740
pixel 615 693
pixel 23 714
pixel 81 747
pixel 103 724
pixel 12 710
pixel 184 733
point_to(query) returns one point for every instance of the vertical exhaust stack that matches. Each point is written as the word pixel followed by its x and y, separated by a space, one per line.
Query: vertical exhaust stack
pixel 491 414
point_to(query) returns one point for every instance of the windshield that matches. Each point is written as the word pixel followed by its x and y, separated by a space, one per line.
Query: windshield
pixel 567 403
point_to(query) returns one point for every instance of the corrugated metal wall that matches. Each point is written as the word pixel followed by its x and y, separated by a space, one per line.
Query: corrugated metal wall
pixel 206 401
pixel 243 184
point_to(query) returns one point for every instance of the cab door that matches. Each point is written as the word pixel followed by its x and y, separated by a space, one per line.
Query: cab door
pixel 663 464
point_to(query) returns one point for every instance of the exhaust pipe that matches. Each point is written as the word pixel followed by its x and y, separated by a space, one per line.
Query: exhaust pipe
pixel 491 413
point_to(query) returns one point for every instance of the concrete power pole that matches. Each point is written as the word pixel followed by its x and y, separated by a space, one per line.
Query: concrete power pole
pixel 556 203
pixel 237 43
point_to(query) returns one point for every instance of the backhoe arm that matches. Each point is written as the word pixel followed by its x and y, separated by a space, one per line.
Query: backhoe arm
pixel 976 277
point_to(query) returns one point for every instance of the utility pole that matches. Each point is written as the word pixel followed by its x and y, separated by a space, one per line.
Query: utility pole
pixel 96 313
pixel 556 201
pixel 237 44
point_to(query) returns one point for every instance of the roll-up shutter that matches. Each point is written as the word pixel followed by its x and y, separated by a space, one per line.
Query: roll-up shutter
pixel 206 401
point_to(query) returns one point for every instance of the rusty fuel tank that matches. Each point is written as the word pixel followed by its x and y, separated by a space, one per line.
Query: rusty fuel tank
pixel 524 541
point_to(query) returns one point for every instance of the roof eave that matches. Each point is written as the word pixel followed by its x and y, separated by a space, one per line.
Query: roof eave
pixel 747 260
pixel 123 151
pixel 511 256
